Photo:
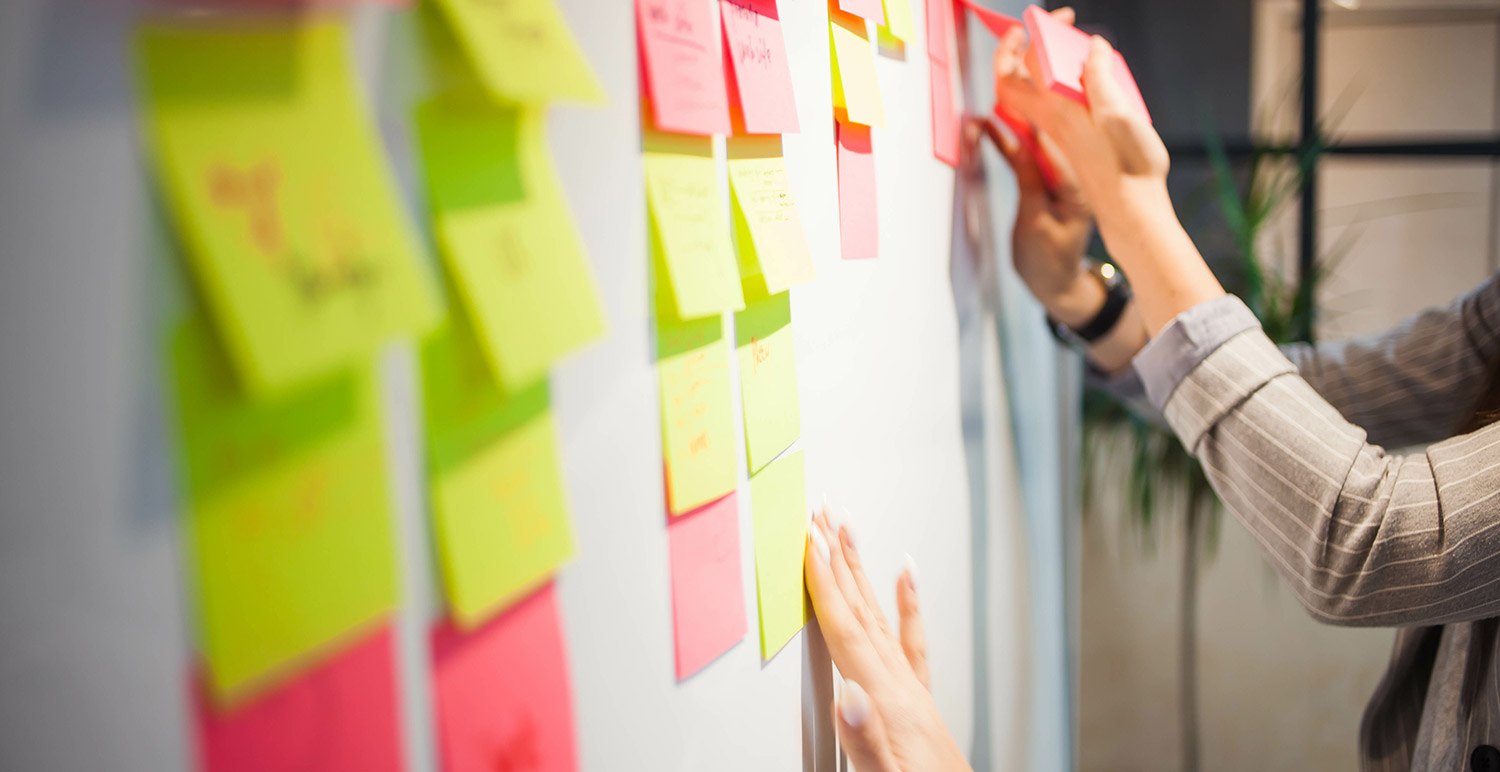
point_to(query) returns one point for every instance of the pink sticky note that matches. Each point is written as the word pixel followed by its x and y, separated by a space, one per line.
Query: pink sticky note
pixel 944 116
pixel 762 84
pixel 708 596
pixel 874 10
pixel 939 27
pixel 502 695
pixel 858 235
pixel 683 66
pixel 997 23
pixel 341 714
pixel 1063 50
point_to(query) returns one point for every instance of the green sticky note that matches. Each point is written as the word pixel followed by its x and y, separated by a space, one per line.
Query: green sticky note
pixel 522 50
pixel 682 192
pixel 288 212
pixel 778 501
pixel 768 376
pixel 768 235
pixel 499 509
pixel 288 529
pixel 507 237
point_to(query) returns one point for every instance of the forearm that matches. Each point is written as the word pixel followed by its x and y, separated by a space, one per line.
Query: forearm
pixel 1166 272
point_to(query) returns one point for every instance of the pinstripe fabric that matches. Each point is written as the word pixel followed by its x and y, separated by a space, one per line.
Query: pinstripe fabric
pixel 1362 536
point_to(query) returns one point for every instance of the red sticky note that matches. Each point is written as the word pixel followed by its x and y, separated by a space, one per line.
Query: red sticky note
pixel 762 84
pixel 1027 137
pixel 341 714
pixel 501 692
pixel 858 235
pixel 874 10
pixel 1063 50
pixel 997 23
pixel 944 116
pixel 683 66
pixel 708 594
pixel 939 27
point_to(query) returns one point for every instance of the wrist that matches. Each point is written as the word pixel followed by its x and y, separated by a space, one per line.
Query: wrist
pixel 1078 302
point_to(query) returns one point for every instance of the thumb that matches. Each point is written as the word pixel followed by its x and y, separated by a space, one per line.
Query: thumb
pixel 861 733
pixel 1140 149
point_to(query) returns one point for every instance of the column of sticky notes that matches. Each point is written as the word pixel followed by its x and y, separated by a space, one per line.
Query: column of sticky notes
pixel 857 106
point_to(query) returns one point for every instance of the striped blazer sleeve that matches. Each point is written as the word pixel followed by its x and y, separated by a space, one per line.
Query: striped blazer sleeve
pixel 1364 537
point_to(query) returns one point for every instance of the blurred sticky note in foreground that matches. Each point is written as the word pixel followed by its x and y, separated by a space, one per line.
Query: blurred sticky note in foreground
pixel 281 192
pixel 757 57
pixel 708 598
pixel 768 377
pixel 687 217
pixel 898 20
pixel 769 237
pixel 856 92
pixel 506 235
pixel 697 414
pixel 682 66
pixel 1063 50
pixel 778 499
pixel 944 114
pixel 342 714
pixel 858 228
pixel 522 50
pixel 502 694
pixel 288 527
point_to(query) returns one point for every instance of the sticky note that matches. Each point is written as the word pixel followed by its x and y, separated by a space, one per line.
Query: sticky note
pixel 778 499
pixel 898 20
pixel 768 376
pixel 522 51
pixel 708 598
pixel 945 125
pixel 873 10
pixel 280 190
pixel 506 235
pixel 1063 50
pixel 687 217
pixel 288 532
pixel 762 83
pixel 682 66
pixel 939 30
pixel 501 693
pixel 769 238
pixel 997 23
pixel 698 439
pixel 341 714
pixel 858 234
pixel 856 92
pixel 1027 137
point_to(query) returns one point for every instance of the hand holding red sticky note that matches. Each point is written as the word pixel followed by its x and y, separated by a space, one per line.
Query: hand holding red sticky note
pixel 1063 50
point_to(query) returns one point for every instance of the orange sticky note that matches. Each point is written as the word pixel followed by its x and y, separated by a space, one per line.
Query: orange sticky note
pixel 858 233
pixel 762 83
pixel 1064 50
pixel 682 66
pixel 708 596
pixel 944 115
pixel 501 693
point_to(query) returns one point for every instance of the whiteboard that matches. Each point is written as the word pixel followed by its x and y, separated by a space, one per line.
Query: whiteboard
pixel 905 422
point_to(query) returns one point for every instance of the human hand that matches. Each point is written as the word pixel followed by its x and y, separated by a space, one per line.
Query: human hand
pixel 887 721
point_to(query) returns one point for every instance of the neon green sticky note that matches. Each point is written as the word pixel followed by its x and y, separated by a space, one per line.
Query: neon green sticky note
pixel 288 529
pixel 507 236
pixel 288 212
pixel 522 50
pixel 768 376
pixel 898 21
pixel 778 501
pixel 856 92
pixel 768 234
pixel 682 192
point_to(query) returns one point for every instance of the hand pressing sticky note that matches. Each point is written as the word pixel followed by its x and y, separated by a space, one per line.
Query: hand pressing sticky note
pixel 288 532
pixel 507 237
pixel 768 235
pixel 280 189
pixel 762 85
pixel 778 499
pixel 522 50
pixel 697 417
pixel 708 599
pixel 502 694
pixel 1063 50
pixel 768 377
pixel 341 714
pixel 687 220
pixel 682 66
pixel 856 92
pixel 858 234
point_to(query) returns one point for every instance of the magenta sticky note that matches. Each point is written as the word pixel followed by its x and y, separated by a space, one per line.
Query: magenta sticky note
pixel 682 66
pixel 858 235
pixel 874 10
pixel 944 115
pixel 762 82
pixel 1063 50
pixel 997 23
pixel 501 692
pixel 708 593
pixel 342 714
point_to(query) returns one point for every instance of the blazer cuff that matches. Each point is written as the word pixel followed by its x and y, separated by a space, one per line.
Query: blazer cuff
pixel 1186 341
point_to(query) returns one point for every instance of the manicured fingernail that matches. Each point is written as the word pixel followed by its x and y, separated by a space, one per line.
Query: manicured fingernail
pixel 820 545
pixel 911 571
pixel 854 705
pixel 842 520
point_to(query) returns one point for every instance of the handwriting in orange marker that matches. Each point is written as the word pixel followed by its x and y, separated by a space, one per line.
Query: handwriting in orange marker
pixel 254 191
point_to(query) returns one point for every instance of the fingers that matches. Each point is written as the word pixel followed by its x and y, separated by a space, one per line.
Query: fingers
pixel 861 732
pixel 1139 148
pixel 913 638
pixel 847 642
pixel 1104 94
pixel 1065 15
pixel 857 570
pixel 844 562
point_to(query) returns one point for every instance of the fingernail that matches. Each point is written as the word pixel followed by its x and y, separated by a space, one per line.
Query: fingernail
pixel 854 705
pixel 911 570
pixel 842 520
pixel 820 545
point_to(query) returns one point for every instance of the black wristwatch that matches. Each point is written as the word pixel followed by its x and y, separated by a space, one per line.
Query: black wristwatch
pixel 1116 298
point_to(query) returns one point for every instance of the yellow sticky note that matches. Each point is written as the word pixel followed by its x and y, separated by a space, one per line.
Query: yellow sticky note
pixel 778 501
pixel 697 417
pixel 855 90
pixel 522 50
pixel 682 191
pixel 768 376
pixel 279 187
pixel 506 234
pixel 898 20
pixel 768 233
pixel 288 529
